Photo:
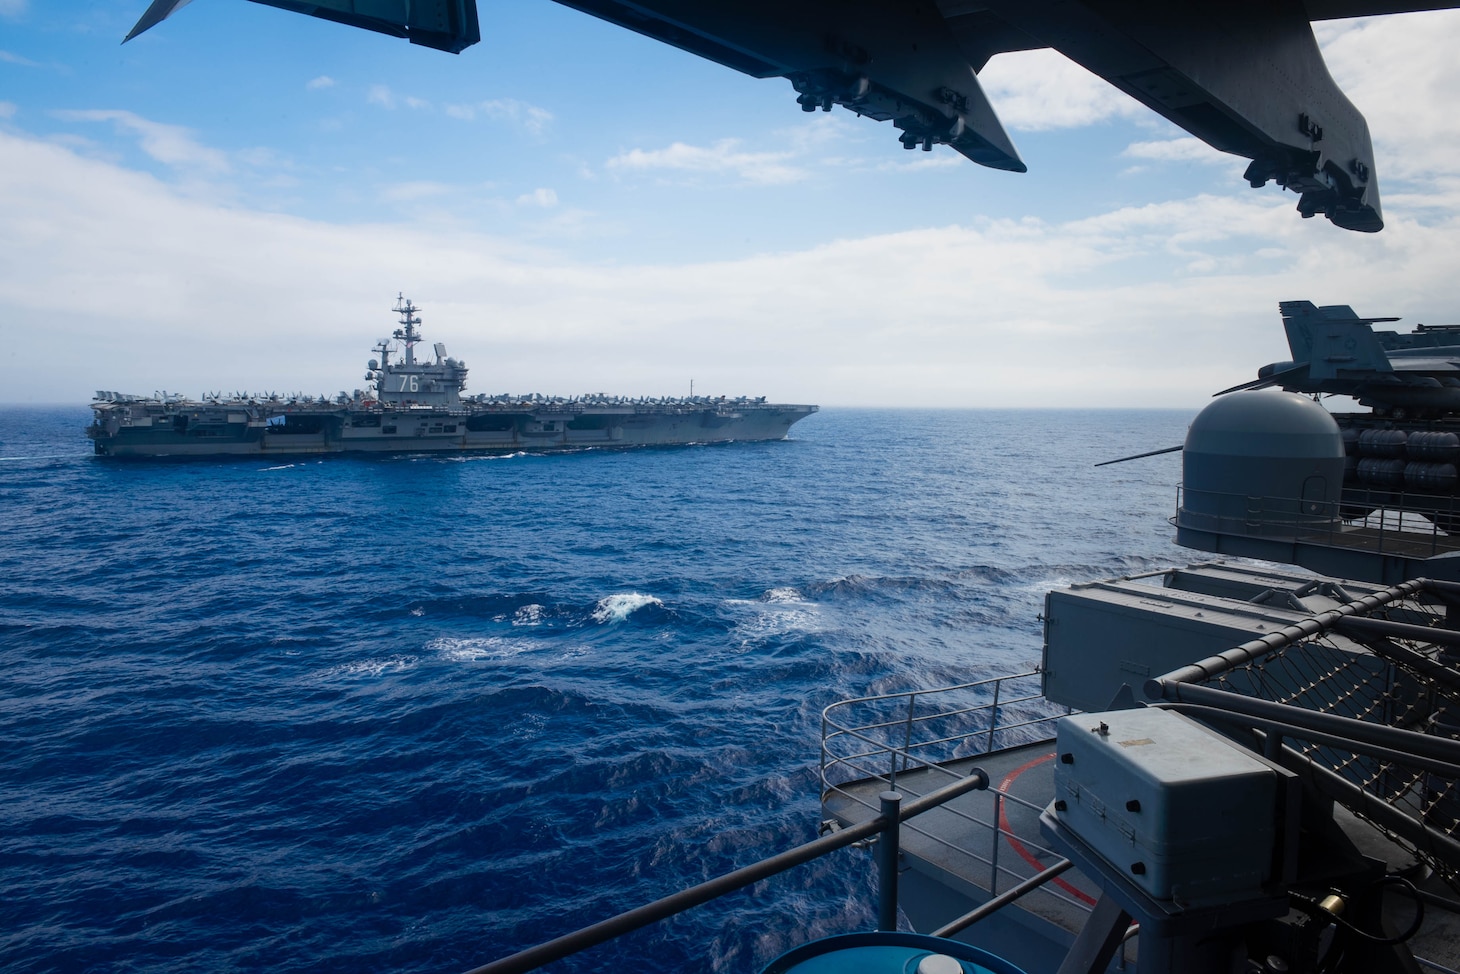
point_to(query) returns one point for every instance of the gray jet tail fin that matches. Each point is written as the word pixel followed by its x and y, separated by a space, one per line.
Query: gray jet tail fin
pixel 1332 339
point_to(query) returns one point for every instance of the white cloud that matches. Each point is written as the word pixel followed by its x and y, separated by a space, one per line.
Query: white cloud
pixel 1042 90
pixel 381 95
pixel 723 158
pixel 415 191
pixel 323 81
pixel 531 118
pixel 16 59
pixel 1187 149
pixel 8 109
pixel 822 130
pixel 940 159
pixel 1402 73
pixel 13 8
pixel 261 157
pixel 172 145
pixel 1145 304
pixel 545 198
pixel 1154 304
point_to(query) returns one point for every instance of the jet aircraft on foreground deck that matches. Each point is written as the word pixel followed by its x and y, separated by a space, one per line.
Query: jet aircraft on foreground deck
pixel 1337 353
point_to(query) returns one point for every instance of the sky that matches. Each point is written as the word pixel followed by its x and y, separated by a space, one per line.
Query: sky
pixel 234 200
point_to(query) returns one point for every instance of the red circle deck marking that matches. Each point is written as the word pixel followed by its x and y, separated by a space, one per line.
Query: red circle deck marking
pixel 1019 847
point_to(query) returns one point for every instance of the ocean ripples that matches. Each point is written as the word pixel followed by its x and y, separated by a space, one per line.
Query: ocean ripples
pixel 413 713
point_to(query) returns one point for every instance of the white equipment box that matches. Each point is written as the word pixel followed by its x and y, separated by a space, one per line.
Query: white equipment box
pixel 1172 806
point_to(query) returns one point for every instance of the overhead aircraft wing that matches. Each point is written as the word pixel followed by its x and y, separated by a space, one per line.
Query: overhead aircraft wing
pixel 1347 9
pixel 446 25
pixel 882 59
pixel 1245 76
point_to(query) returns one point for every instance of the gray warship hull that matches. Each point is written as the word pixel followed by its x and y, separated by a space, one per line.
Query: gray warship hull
pixel 185 428
pixel 415 405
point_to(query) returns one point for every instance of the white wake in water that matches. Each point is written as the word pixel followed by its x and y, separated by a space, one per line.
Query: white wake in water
pixel 528 615
pixel 617 608
pixel 374 667
pixel 778 612
pixel 475 648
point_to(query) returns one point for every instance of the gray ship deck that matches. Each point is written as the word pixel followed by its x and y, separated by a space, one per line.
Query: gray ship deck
pixel 978 845
pixel 1099 636
pixel 985 842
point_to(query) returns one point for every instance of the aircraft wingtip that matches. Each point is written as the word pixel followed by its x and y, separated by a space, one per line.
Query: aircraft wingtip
pixel 156 13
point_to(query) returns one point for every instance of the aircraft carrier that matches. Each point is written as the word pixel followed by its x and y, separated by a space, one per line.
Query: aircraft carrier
pixel 412 405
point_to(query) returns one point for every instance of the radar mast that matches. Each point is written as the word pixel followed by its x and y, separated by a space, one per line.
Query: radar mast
pixel 409 321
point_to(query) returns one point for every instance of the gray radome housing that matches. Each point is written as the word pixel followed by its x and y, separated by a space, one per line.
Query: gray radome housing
pixel 1267 456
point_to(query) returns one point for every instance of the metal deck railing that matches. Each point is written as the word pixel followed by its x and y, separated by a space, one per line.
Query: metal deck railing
pixel 887 734
pixel 885 828
pixel 1374 520
pixel 870 743
pixel 1013 706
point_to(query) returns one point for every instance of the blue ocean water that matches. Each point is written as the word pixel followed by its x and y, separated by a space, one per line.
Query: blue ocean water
pixel 416 713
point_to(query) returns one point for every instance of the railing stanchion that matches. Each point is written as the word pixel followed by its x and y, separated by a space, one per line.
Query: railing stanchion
pixel 912 702
pixel 994 716
pixel 996 833
pixel 824 753
pixel 887 850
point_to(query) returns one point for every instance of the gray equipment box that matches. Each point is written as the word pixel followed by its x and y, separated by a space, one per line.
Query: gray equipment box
pixel 1179 811
pixel 1100 635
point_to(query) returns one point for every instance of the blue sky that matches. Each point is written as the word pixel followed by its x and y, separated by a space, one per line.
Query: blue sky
pixel 233 200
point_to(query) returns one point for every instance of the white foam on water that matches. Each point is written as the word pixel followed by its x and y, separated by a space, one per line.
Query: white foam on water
pixel 778 612
pixel 475 457
pixel 282 466
pixel 617 608
pixel 472 649
pixel 778 623
pixel 1048 584
pixel 376 667
pixel 528 615
pixel 529 726
pixel 49 456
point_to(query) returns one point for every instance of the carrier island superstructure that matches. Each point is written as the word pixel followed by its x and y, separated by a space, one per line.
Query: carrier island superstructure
pixel 415 405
